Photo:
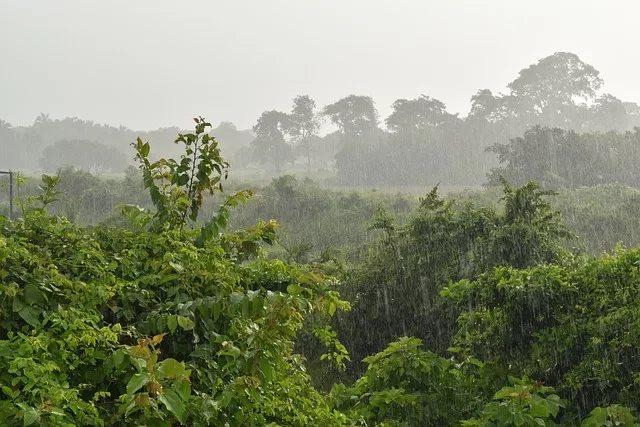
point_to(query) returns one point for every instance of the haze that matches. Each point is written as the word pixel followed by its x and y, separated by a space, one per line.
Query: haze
pixel 150 64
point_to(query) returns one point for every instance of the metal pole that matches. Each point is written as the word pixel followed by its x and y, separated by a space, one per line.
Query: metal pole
pixel 11 195
pixel 10 173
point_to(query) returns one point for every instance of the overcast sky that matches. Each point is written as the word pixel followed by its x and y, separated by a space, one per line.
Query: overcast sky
pixel 154 63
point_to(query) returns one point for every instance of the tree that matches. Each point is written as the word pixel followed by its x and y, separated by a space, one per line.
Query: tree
pixel 87 155
pixel 303 123
pixel 489 108
pixel 546 92
pixel 355 116
pixel 9 154
pixel 269 143
pixel 412 118
pixel 608 113
pixel 231 139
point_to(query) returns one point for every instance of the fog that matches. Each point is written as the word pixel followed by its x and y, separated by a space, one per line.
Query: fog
pixel 150 64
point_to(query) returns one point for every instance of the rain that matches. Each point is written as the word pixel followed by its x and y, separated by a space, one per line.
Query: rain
pixel 286 213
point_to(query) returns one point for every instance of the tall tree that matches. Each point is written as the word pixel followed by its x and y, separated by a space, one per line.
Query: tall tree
pixel 231 139
pixel 269 144
pixel 356 117
pixel 303 123
pixel 608 113
pixel 546 92
pixel 412 119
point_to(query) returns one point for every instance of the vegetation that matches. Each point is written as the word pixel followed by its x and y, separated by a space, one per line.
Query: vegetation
pixel 456 314
pixel 557 158
pixel 162 325
pixel 169 295
pixel 421 143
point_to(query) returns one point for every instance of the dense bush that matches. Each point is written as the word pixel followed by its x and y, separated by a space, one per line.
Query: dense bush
pixel 156 326
pixel 172 319
pixel 395 292
pixel 575 327
pixel 564 158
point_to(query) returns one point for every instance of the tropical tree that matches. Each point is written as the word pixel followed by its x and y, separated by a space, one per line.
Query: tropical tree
pixel 412 119
pixel 303 124
pixel 355 116
pixel 547 92
pixel 269 144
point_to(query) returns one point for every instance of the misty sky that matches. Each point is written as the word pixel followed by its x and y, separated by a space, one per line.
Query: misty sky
pixel 149 64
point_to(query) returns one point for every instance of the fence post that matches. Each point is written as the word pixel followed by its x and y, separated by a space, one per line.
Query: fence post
pixel 11 195
pixel 10 173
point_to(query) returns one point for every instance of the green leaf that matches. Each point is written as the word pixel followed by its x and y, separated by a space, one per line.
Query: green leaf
pixel 267 369
pixel 137 381
pixel 33 295
pixel 30 416
pixel 172 401
pixel 171 368
pixel 185 323
pixel 183 388
pixel 118 358
pixel 145 148
pixel 57 411
pixel 172 322
pixel 295 290
pixel 31 315
pixel 332 308
pixel 169 277
pixel 177 267
pixel 6 390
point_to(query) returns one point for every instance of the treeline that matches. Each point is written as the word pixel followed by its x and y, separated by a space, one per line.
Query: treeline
pixel 50 144
pixel 423 143
pixel 419 143
pixel 565 158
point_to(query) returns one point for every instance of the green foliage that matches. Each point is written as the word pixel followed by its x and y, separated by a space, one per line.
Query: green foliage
pixel 87 155
pixel 406 386
pixel 530 231
pixel 174 320
pixel 109 326
pixel 396 291
pixel 572 326
pixel 177 188
pixel 614 415
pixel 557 157
pixel 317 223
pixel 524 403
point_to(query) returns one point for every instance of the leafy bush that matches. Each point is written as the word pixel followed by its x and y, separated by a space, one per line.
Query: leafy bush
pixel 156 326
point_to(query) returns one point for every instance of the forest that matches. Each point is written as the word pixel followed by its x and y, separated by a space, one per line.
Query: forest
pixel 434 271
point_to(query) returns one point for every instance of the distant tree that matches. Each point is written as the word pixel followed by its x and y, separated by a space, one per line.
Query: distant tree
pixel 81 154
pixel 633 113
pixel 608 113
pixel 230 139
pixel 564 158
pixel 546 92
pixel 8 151
pixel 413 119
pixel 269 144
pixel 355 116
pixel 490 108
pixel 42 120
pixel 303 124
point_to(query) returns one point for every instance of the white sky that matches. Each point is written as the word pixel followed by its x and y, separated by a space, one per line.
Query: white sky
pixel 154 63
